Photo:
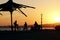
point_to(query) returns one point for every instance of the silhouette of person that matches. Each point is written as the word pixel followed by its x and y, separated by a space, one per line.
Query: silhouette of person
pixel 15 25
pixel 25 26
pixel 36 26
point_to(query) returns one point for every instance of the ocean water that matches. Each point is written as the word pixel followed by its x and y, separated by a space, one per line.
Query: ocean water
pixel 20 29
pixel 49 28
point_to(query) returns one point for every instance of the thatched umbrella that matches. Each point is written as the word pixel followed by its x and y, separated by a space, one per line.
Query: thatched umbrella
pixel 11 6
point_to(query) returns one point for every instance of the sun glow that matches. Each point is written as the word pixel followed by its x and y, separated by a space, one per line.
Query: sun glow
pixel 57 19
pixel 55 16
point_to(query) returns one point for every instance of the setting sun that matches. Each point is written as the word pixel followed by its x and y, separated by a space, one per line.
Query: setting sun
pixel 57 19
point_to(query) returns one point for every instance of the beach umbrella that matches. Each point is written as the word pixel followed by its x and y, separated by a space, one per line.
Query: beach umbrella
pixel 11 6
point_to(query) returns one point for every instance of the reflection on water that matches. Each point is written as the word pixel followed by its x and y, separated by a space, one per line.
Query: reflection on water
pixel 3 29
pixel 49 28
pixel 20 29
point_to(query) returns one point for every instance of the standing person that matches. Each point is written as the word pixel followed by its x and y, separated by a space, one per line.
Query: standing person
pixel 25 26
pixel 36 26
pixel 15 25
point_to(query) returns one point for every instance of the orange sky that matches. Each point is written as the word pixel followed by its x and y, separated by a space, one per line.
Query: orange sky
pixel 49 8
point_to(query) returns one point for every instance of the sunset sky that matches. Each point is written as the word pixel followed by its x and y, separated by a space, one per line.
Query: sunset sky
pixel 49 8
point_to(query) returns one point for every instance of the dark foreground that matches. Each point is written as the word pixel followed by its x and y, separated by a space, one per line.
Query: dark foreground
pixel 30 35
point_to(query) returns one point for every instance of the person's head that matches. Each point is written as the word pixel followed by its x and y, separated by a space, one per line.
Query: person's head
pixel 10 0
pixel 15 21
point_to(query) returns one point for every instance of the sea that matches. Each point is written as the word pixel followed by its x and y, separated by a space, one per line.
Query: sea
pixel 20 29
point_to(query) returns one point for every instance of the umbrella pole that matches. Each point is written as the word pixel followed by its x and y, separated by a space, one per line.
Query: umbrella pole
pixel 11 22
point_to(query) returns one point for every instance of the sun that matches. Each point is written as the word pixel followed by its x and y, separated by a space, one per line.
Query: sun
pixel 57 19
